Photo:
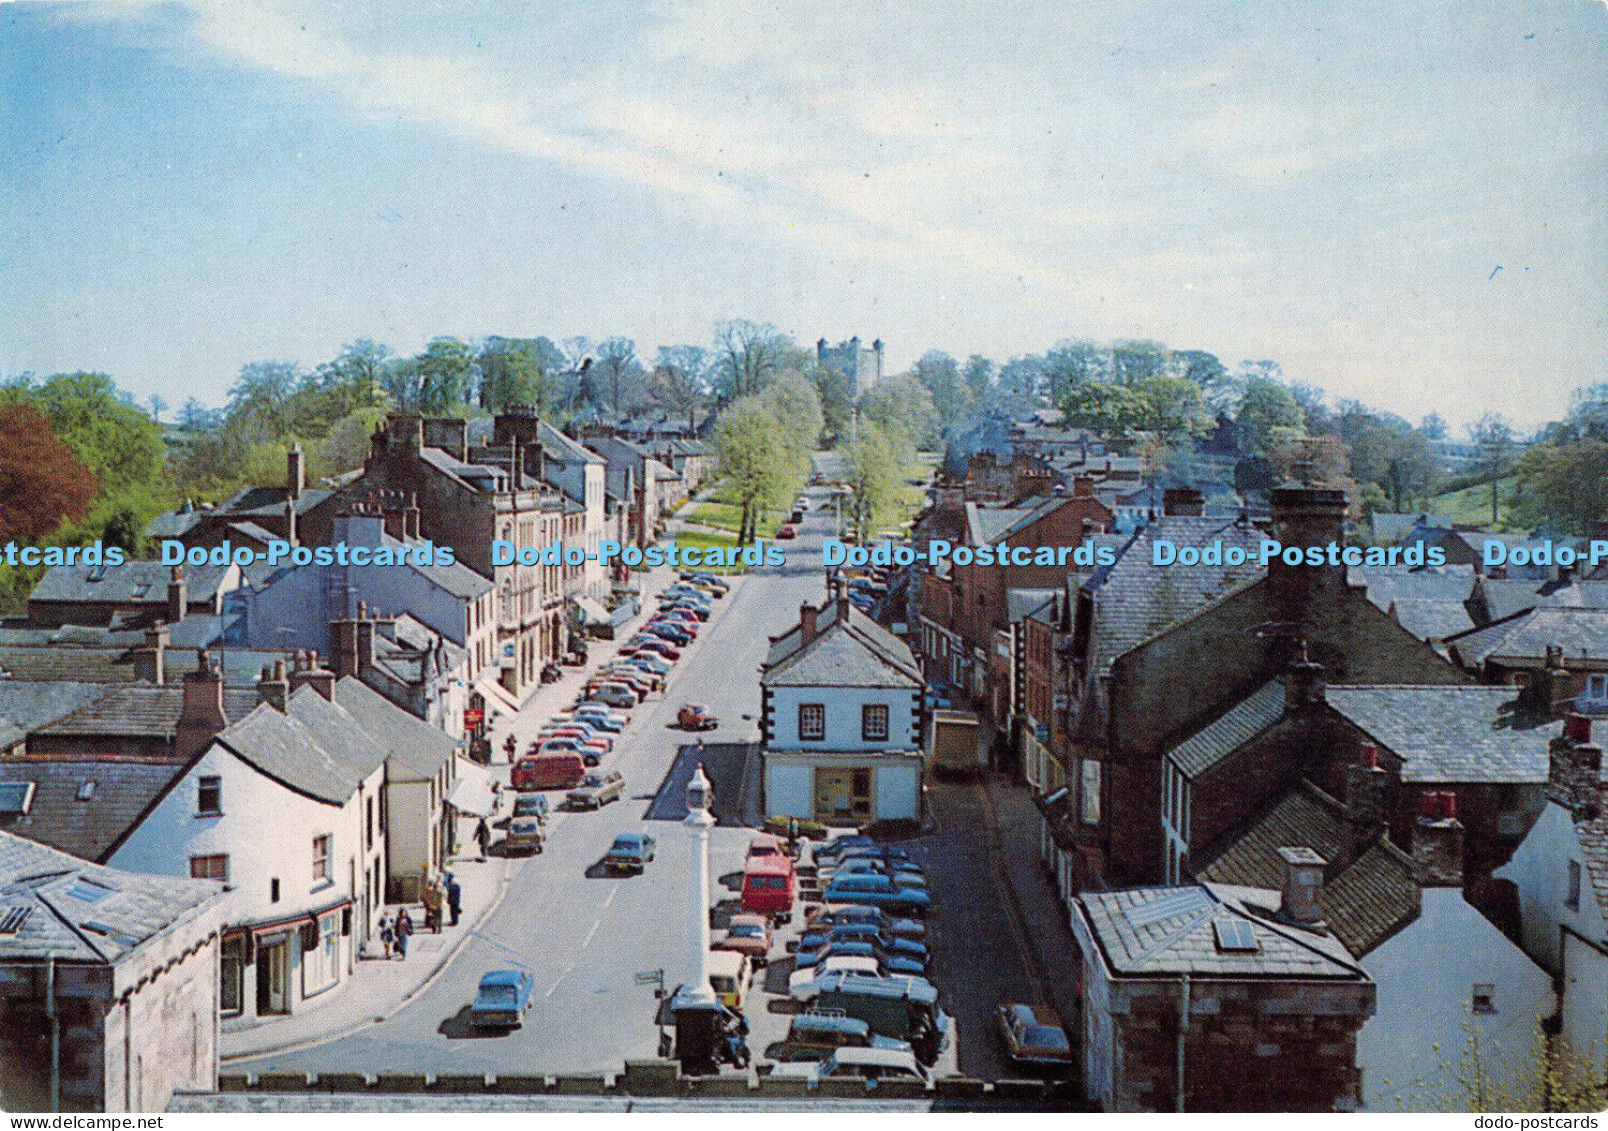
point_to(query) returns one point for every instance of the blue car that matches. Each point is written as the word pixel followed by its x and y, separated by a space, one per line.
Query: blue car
pixel 860 948
pixel 503 998
pixel 815 939
pixel 877 891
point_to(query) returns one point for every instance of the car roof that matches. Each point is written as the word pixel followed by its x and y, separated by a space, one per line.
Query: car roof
pixel 725 962
pixel 630 838
pixel 746 919
pixel 503 978
pixel 882 1057
pixel 829 1023
pixel 780 865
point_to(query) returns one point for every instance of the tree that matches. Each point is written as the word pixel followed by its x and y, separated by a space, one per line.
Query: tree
pixel 837 404
pixel 681 380
pixel 616 369
pixel 748 355
pixel 1174 408
pixel 941 375
pixel 873 465
pixel 519 371
pixel 445 375
pixel 1107 408
pixel 1433 426
pixel 1268 414
pixel 1493 436
pixel 1024 378
pixel 197 417
pixel 158 407
pixel 43 483
pixel 259 403
pixel 1072 363
pixel 1132 362
pixel 748 443
pixel 1565 484
pixel 1200 368
pixel 979 377
pixel 903 409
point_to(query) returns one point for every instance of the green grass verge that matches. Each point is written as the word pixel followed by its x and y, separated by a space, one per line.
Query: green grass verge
pixel 687 539
pixel 1473 504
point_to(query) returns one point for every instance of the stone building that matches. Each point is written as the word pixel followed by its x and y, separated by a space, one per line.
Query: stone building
pixel 861 366
pixel 117 970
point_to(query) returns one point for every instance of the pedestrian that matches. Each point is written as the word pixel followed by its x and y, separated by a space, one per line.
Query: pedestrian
pixel 432 905
pixel 792 837
pixel 387 936
pixel 454 897
pixel 404 931
pixel 483 837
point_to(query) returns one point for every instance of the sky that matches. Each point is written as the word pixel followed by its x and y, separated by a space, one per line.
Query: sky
pixel 1405 203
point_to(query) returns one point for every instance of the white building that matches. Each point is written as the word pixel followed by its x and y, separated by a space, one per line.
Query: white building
pixel 1561 872
pixel 580 474
pixel 841 720
pixel 287 808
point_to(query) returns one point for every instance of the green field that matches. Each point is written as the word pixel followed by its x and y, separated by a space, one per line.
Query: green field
pixel 1473 504
pixel 686 538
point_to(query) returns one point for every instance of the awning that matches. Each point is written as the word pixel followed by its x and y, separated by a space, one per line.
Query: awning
pixel 471 793
pixel 593 612
pixel 495 694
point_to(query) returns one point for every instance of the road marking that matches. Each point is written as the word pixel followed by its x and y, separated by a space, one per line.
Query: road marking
pixel 559 980
pixel 590 933
pixel 613 891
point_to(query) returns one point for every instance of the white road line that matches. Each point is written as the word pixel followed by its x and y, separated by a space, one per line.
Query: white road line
pixel 559 980
pixel 590 933
pixel 613 891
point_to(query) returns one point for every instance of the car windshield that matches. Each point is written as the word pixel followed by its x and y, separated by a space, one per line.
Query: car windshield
pixel 497 994
pixel 747 931
pixel 591 780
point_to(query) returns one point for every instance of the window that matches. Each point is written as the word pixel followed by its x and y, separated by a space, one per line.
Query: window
pixel 1573 900
pixel 321 859
pixel 209 797
pixel 874 722
pixel 209 868
pixel 369 842
pixel 16 798
pixel 1484 1000
pixel 1597 687
pixel 273 890
pixel 1091 791
pixel 811 721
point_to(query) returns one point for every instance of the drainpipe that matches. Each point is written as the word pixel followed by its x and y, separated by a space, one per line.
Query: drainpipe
pixel 55 1032
pixel 1183 1030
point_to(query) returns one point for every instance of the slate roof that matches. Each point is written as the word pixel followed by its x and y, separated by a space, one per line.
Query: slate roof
pixel 1391 528
pixel 85 912
pixel 1022 603
pixel 1581 633
pixel 556 445
pixel 27 706
pixel 1593 836
pixel 1137 942
pixel 1503 598
pixel 858 653
pixel 416 750
pixel 301 749
pixel 141 710
pixel 88 827
pixel 1456 733
pixel 1230 730
pixel 1365 900
pixel 987 525
pixel 1430 619
pixel 1386 584
pixel 136 581
pixel 1134 600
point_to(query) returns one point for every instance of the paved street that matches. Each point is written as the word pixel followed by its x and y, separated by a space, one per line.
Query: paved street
pixel 582 935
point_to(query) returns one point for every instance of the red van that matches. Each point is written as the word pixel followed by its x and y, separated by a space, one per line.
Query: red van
pixel 548 771
pixel 769 887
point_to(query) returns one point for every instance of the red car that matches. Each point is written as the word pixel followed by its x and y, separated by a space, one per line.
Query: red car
pixel 695 716
pixel 788 530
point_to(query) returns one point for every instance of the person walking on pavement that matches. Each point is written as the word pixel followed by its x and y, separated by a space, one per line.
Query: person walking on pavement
pixel 432 906
pixel 404 931
pixel 454 898
pixel 483 837
pixel 387 936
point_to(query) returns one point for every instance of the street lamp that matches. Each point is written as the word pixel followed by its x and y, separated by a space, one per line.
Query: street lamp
pixel 695 1007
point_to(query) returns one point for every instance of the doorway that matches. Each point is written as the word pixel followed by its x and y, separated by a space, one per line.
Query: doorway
pixel 842 796
pixel 273 974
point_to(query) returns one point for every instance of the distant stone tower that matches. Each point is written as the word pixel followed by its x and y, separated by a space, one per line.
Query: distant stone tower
pixel 862 367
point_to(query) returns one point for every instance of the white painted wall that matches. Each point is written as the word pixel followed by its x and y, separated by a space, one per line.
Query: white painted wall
pixel 789 790
pixel 1413 1046
pixel 896 791
pixel 1585 999
pixel 843 706
pixel 1540 870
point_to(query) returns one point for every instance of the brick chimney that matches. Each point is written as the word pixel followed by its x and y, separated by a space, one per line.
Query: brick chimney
pixel 310 673
pixel 201 714
pixel 1187 502
pixel 150 661
pixel 273 687
pixel 1303 683
pixel 1367 800
pixel 351 642
pixel 806 622
pixel 411 515
pixel 1438 841
pixel 1303 877
pixel 1574 778
pixel 295 472
pixel 178 595
pixel 1083 487
pixel 843 606
pixel 1305 516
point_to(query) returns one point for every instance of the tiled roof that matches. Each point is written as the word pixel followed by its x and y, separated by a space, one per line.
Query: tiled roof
pixel 77 911
pixel 1458 733
pixel 560 446
pixel 1391 583
pixel 416 750
pixel 27 706
pixel 1170 931
pixel 1581 633
pixel 1430 618
pixel 1503 598
pixel 139 580
pixel 288 750
pixel 860 653
pixel 987 525
pixel 1230 730
pixel 1134 599
pixel 1364 901
pixel 88 827
pixel 1020 603
pixel 141 710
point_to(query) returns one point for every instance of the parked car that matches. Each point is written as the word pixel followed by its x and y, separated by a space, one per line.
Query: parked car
pixel 531 805
pixel 879 891
pixel 630 852
pixel 827 854
pixel 815 1035
pixel 596 790
pixel 647 661
pixel 803 985
pixel 906 875
pixel 695 716
pixel 747 934
pixel 828 915
pixel 815 937
pixel 764 844
pixel 667 631
pixel 729 975
pixel 787 530
pixel 524 835
pixel 653 644
pixel 548 771
pixel 859 1063
pixel 614 694
pixel 802 503
pixel 859 948
pixel 1032 1039
pixel 699 611
pixel 905 1009
pixel 600 716
pixel 502 999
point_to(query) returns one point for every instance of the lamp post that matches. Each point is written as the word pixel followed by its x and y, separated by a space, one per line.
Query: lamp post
pixel 695 1007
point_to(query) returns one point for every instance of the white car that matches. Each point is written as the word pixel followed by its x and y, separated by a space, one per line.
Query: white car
pixel 801 504
pixel 866 1063
pixel 803 985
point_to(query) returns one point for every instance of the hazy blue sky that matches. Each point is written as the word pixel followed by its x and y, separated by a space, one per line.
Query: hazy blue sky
pixel 185 188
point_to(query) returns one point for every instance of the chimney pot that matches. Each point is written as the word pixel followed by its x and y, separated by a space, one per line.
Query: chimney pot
pixel 1303 876
pixel 1438 841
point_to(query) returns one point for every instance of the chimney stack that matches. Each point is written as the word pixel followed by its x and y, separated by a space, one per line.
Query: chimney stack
pixel 201 714
pixel 178 595
pixel 150 662
pixel 313 675
pixel 1574 778
pixel 273 687
pixel 1305 516
pixel 1083 487
pixel 806 622
pixel 1438 841
pixel 1303 877
pixel 1303 683
pixel 295 472
pixel 1367 800
pixel 1187 502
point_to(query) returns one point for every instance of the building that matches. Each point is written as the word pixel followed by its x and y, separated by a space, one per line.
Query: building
pixel 582 476
pixel 1563 647
pixel 841 720
pixel 287 807
pixel 1214 998
pixel 108 983
pixel 860 366
pixel 1446 975
pixel 1560 875
pixel 136 594
pixel 254 516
